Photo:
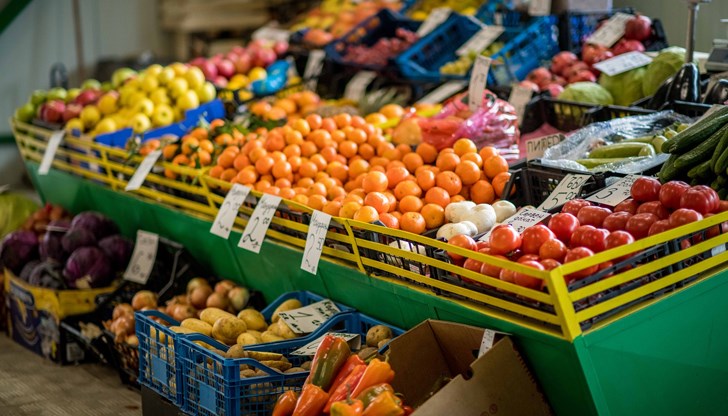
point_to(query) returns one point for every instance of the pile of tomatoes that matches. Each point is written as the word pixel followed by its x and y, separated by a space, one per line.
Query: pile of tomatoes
pixel 583 228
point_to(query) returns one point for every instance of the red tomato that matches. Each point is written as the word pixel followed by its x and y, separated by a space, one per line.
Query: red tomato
pixel 522 279
pixel 716 230
pixel 645 189
pixel 534 236
pixel 528 257
pixel 463 241
pixel 671 192
pixel 700 198
pixel 574 255
pixel 490 269
pixel 685 244
pixel 616 221
pixel 684 216
pixel 572 207
pixel 658 227
pixel 593 216
pixel 595 240
pixel 578 237
pixel 563 226
pixel 503 240
pixel 507 275
pixel 628 205
pixel 619 238
pixel 550 264
pixel 606 265
pixel 639 225
pixel 722 206
pixel 481 245
pixel 654 207
pixel 553 249
pixel 472 264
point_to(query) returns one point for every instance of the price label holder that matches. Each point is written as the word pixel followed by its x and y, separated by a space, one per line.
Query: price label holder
pixel 616 193
pixel 535 148
pixel 142 259
pixel 271 33
pixel 50 153
pixel 229 210
pixel 519 98
pixel 623 63
pixel 143 170
pixel 314 65
pixel 307 319
pixel 435 19
pixel 480 40
pixel 477 82
pixel 611 31
pixel 317 230
pixel 260 220
pixel 357 86
pixel 443 92
pixel 565 191
pixel 539 7
pixel 354 341
pixel 523 219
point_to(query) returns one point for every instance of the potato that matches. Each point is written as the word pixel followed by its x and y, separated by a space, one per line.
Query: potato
pixel 227 329
pixel 287 305
pixel 236 351
pixel 282 330
pixel 253 332
pixel 268 336
pixel 378 333
pixel 265 356
pixel 253 319
pixel 197 325
pixel 294 370
pixel 246 338
pixel 306 365
pixel 204 345
pixel 247 373
pixel 382 343
pixel 277 365
pixel 211 315
pixel 367 353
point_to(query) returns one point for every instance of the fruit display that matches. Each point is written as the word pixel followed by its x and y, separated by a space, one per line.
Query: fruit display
pixel 462 65
pixel 382 50
pixel 420 9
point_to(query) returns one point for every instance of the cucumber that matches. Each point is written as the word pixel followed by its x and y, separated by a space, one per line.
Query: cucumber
pixel 618 150
pixel 697 133
pixel 668 171
pixel 704 170
pixel 592 163
pixel 693 172
pixel 715 185
pixel 722 180
pixel 718 160
pixel 702 152
pixel 722 164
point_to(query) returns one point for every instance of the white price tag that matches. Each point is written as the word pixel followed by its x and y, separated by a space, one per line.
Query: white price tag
pixel 310 348
pixel 623 63
pixel 611 31
pixel 536 147
pixel 616 193
pixel 481 40
pixel 523 219
pixel 142 259
pixel 718 249
pixel 307 319
pixel 539 7
pixel 314 65
pixel 229 210
pixel 443 92
pixel 357 86
pixel 519 98
pixel 317 230
pixel 50 153
pixel 435 19
pixel 271 33
pixel 478 79
pixel 143 170
pixel 565 191
pixel 487 342
pixel 259 222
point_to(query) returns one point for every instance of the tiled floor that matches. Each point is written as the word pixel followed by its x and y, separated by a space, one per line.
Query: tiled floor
pixel 32 386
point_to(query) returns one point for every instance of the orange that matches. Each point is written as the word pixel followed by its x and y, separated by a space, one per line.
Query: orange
pixel 348 209
pixel 317 202
pixel 342 120
pixel 278 156
pixel 273 190
pixel 189 144
pixel 260 107
pixel 389 220
pixel 375 182
pixel 295 162
pixel 457 198
pixel 223 139
pixel 404 148
pixel 427 151
pixel 293 137
pixel 396 175
pixel 328 124
pixel 216 171
pixel 463 146
pixel 379 161
pixel 338 170
pixel 304 182
pixel 281 169
pixel 204 157
pixel 447 161
pixel 357 121
pixel 406 188
pixel 378 201
pixel 413 222
pixel 356 135
pixel 301 199
pixel 275 142
pixel 366 151
pixel 434 215
pixel 465 192
pixel 320 161
pixel 287 193
pixel 410 203
pixel 392 154
pixel 394 164
pixel 412 161
pixel 301 126
pixel 366 214
pixel 391 111
pixel 228 175
pixel 300 190
pixel 487 152
pixel 218 122
pixel 437 196
pixel 329 153
pixel 241 161
pixel 494 165
pixel 332 208
pixel 482 192
pixel 276 113
pixel 348 148
pixel 200 132
pixel 264 165
pixel 450 182
pixel 292 150
pixel 354 198
pixel 282 183
pixel 383 147
pixel 314 121
pixel 169 151
pixel 226 159
pixel 376 118
pixel 468 171
pixel 206 145
pixel 357 167
pixel 473 157
pixel 256 154
pixel 425 179
pixel 308 149
pixel 499 183
pixel 286 104
pixel 335 191
pixel 327 182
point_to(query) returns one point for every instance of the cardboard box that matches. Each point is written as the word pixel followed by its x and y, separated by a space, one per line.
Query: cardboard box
pixel 561 6
pixel 497 383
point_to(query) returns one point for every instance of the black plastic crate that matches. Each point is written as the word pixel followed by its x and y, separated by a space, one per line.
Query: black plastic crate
pixel 611 112
pixel 563 115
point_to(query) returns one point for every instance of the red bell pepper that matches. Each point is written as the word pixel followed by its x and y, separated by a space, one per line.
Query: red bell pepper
pixel 330 357
pixel 285 404
pixel 312 401
pixel 377 372
pixel 350 364
pixel 346 387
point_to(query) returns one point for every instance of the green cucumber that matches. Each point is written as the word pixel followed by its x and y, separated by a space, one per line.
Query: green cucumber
pixel 668 171
pixel 718 160
pixel 702 152
pixel 618 150
pixel 594 162
pixel 697 133
pixel 693 172
pixel 715 185
pixel 722 180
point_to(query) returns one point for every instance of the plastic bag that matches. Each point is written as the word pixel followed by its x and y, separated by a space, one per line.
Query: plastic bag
pixel 14 210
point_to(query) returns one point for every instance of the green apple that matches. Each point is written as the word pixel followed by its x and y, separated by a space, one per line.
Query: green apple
pixel 25 113
pixel 38 97
pixel 144 106
pixel 106 86
pixel 188 100
pixel 121 75
pixel 166 76
pixel 57 94
pixel 90 115
pixel 134 98
pixel 91 84
pixel 72 94
pixel 160 96
pixel 162 116
pixel 140 123
pixel 206 92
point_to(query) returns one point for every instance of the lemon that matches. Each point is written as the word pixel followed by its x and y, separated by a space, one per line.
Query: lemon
pixel 90 115
pixel 257 73
pixel 106 125
pixel 108 103
pixel 195 78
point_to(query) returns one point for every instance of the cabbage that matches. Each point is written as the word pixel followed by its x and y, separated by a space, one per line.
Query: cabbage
pixel 88 267
pixel 95 222
pixel 51 247
pixel 17 249
pixel 14 209
pixel 586 92
pixel 48 274
pixel 626 87
pixel 665 65
pixel 118 248
pixel 77 237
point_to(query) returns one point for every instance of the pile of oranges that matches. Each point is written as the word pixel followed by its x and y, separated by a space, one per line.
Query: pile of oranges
pixel 344 166
pixel 293 106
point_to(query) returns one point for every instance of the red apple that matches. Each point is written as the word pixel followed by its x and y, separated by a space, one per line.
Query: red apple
pixel 561 61
pixel 624 46
pixel 529 84
pixel 575 68
pixel 541 76
pixel 554 89
pixel 280 47
pixel 264 57
pixel 225 68
pixel 590 52
pixel 87 97
pixel 559 80
pixel 72 110
pixel 52 111
pixel 583 76
pixel 243 63
pixel 220 81
pixel 208 68
pixel 638 28
pixel 238 50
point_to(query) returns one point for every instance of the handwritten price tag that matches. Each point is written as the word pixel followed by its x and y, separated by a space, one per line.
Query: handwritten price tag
pixel 523 219
pixel 536 147
pixel 519 98
pixel 315 241
pixel 623 63
pixel 565 191
pixel 229 210
pixel 616 193
pixel 477 82
pixel 50 153
pixel 481 40
pixel 260 220
pixel 443 92
pixel 142 259
pixel 539 7
pixel 487 342
pixel 314 65
pixel 143 170
pixel 356 88
pixel 435 19
pixel 307 319
pixel 310 348
pixel 611 31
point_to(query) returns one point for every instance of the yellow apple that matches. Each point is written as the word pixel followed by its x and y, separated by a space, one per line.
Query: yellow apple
pixel 238 81
pixel 154 69
pixel 106 125
pixel 144 106
pixel 149 83
pixel 160 96
pixel 90 115
pixel 166 76
pixel 177 87
pixel 74 124
pixel 206 92
pixel 195 78
pixel 257 73
pixel 108 103
pixel 162 116
pixel 179 114
pixel 188 101
pixel 179 68
pixel 140 123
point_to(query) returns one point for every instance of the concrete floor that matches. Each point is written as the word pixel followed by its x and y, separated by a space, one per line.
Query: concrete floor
pixel 32 386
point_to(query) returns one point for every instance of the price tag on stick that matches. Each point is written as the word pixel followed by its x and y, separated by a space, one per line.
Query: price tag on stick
pixel 260 220
pixel 143 170
pixel 307 319
pixel 315 239
pixel 478 79
pixel 314 65
pixel 229 210
pixel 523 219
pixel 487 342
pixel 481 40
pixel 50 153
pixel 565 191
pixel 536 147
pixel 443 92
pixel 616 193
pixel 623 63
pixel 310 348
pixel 519 98
pixel 142 259
pixel 434 19
pixel 611 31
pixel 357 86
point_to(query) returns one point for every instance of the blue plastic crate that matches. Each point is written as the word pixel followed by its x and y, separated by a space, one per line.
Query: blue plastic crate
pixel 305 297
pixel 575 27
pixel 497 13
pixel 159 355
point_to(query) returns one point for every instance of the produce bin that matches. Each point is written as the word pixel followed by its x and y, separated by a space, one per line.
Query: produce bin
pixel 159 355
